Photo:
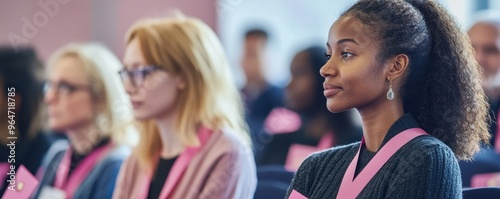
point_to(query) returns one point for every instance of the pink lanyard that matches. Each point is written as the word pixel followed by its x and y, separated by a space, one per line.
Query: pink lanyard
pixel 4 169
pixel 70 183
pixel 178 168
pixel 351 187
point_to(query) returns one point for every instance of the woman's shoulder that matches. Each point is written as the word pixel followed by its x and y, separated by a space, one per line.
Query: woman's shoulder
pixel 228 140
pixel 319 168
pixel 427 151
pixel 430 145
pixel 117 155
pixel 339 150
pixel 119 152
pixel 331 156
pixel 227 144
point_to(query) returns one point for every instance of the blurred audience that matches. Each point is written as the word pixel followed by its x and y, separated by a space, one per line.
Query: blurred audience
pixel 86 101
pixel 319 128
pixel 259 95
pixel 485 39
pixel 19 73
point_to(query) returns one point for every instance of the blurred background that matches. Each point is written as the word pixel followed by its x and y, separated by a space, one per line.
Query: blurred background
pixel 272 47
pixel 291 24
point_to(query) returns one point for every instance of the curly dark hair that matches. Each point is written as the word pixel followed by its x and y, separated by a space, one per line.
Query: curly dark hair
pixel 442 88
pixel 18 69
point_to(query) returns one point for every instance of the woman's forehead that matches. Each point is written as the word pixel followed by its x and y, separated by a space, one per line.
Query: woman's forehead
pixel 68 68
pixel 349 27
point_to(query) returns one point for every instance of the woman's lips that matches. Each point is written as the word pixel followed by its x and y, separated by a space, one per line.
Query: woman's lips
pixel 51 113
pixel 330 89
pixel 136 104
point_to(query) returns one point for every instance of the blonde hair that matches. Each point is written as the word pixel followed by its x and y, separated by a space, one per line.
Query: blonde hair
pixel 188 48
pixel 114 118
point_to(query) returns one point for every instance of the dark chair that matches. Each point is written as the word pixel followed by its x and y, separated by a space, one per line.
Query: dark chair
pixel 274 173
pixel 482 193
pixel 273 182
pixel 487 161
pixel 270 190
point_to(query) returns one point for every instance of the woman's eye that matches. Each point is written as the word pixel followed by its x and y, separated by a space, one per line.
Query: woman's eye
pixel 328 56
pixel 65 89
pixel 346 55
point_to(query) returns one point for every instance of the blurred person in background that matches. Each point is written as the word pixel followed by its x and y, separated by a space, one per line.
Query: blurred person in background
pixel 485 39
pixel 19 73
pixel 193 139
pixel 259 95
pixel 85 101
pixel 320 129
pixel 484 35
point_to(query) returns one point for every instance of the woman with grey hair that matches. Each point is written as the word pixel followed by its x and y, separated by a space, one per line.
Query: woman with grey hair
pixel 86 101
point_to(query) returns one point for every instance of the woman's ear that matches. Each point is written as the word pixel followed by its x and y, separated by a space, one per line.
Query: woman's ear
pixel 100 105
pixel 180 83
pixel 397 66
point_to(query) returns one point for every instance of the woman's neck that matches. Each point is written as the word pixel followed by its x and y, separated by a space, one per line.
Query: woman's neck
pixel 172 145
pixel 377 119
pixel 83 139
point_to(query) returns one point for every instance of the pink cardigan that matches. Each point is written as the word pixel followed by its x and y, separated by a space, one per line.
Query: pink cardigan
pixel 224 168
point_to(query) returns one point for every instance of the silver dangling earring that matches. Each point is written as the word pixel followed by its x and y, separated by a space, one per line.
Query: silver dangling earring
pixel 390 93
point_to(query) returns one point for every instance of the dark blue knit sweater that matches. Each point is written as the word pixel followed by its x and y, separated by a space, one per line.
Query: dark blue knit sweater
pixel 423 168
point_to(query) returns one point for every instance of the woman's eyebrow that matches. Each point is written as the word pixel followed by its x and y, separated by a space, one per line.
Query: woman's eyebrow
pixel 341 41
pixel 347 40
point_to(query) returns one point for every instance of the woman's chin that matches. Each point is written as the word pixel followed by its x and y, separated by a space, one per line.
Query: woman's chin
pixel 335 108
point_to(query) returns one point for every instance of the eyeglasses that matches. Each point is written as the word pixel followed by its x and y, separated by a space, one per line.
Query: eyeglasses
pixel 138 75
pixel 63 88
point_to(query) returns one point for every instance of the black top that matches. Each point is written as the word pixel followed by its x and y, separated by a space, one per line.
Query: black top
pixel 423 168
pixel 76 158
pixel 161 174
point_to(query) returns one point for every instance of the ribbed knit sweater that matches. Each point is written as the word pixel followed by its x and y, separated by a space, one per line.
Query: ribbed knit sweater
pixel 423 168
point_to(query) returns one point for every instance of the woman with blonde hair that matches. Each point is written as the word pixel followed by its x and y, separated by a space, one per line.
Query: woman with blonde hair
pixel 194 141
pixel 86 101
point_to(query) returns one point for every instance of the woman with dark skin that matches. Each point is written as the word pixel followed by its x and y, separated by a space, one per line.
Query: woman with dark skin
pixel 19 73
pixel 304 95
pixel 403 65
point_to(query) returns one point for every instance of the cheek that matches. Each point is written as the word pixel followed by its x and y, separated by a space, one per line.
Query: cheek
pixel 158 99
pixel 495 61
pixel 164 95
pixel 360 87
pixel 71 112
